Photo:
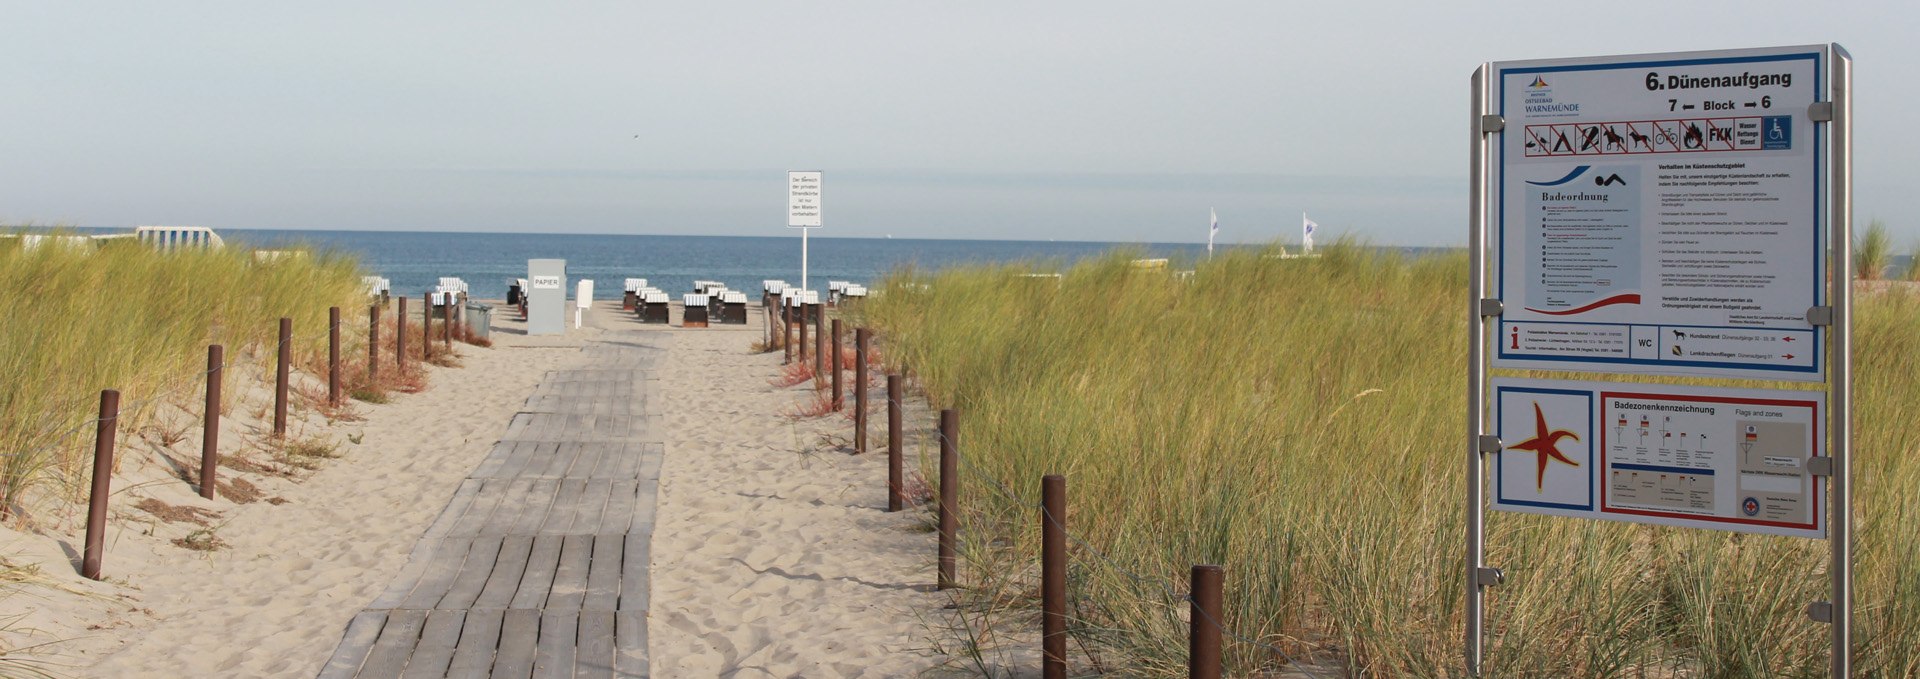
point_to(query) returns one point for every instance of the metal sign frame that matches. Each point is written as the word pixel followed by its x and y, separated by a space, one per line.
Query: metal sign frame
pixel 1831 116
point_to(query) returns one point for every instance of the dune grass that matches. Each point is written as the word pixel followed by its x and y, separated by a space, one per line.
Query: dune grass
pixel 1301 422
pixel 125 316
pixel 1873 251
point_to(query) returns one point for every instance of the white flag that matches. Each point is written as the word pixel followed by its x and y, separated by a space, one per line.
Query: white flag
pixel 1214 231
pixel 1306 232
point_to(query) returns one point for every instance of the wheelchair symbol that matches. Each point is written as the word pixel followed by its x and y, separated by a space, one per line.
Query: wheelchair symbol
pixel 1775 133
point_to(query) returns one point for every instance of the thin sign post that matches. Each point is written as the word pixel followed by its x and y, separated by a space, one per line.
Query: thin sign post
pixel 1684 214
pixel 803 210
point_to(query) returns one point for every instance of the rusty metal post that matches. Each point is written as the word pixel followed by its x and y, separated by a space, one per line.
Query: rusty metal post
pixel 373 344
pixel 860 339
pixel 400 339
pixel 1203 632
pixel 1053 576
pixel 103 434
pixel 333 356
pixel 210 423
pixel 838 399
pixel 949 496
pixel 895 478
pixel 281 374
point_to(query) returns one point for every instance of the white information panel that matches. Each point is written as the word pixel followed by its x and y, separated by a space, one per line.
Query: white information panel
pixel 803 198
pixel 1726 459
pixel 1661 214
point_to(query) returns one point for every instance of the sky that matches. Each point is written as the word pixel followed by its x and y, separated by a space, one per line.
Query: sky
pixel 1069 120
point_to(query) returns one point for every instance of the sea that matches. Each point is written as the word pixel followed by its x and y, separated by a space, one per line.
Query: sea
pixel 415 261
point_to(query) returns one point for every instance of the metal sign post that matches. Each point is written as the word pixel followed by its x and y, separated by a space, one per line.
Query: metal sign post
pixel 803 210
pixel 1684 214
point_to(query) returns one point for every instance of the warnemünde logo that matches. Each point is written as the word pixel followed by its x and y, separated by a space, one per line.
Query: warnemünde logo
pixel 1540 103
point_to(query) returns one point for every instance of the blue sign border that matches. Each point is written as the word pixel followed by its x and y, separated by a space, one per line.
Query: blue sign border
pixel 1819 220
pixel 1593 455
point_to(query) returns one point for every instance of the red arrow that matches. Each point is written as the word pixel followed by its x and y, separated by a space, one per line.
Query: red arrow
pixel 1786 339
pixel 1788 357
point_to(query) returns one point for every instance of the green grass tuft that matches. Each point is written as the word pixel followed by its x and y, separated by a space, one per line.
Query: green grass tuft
pixel 1300 421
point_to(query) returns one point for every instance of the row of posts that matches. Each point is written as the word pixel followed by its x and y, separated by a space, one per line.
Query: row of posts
pixel 1205 659
pixel 107 424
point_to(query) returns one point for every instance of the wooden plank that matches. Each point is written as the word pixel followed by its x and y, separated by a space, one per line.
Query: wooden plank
pixel 456 508
pixel 570 577
pixel 613 458
pixel 519 631
pixel 565 503
pixel 594 658
pixel 622 499
pixel 439 574
pixel 481 511
pixel 636 566
pixel 537 583
pixel 389 655
pixel 435 649
pixel 539 503
pixel 517 427
pixel 630 644
pixel 477 642
pixel 603 574
pixel 496 458
pixel 589 457
pixel 481 559
pixel 507 571
pixel 645 502
pixel 354 645
pixel 423 555
pixel 593 503
pixel 519 498
pixel 650 463
pixel 553 656
pixel 521 454
pixel 557 464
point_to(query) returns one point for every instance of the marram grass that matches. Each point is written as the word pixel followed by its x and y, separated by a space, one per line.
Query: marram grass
pixel 128 317
pixel 1301 422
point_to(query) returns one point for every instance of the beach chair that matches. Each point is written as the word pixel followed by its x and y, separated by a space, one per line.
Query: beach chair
pixel 653 307
pixel 694 311
pixel 733 307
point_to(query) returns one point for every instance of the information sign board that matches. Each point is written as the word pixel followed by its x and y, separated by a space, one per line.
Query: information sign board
pixel 1728 459
pixel 1661 214
pixel 803 198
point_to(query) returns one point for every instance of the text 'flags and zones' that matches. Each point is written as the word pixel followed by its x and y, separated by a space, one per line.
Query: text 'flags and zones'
pixel 1695 135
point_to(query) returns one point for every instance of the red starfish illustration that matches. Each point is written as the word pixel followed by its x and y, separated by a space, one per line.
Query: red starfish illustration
pixel 1546 444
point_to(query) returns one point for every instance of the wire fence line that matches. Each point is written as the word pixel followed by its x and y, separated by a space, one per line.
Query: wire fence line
pixel 1116 566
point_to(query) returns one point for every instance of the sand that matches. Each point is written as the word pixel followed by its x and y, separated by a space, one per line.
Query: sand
pixel 773 554
pixel 273 601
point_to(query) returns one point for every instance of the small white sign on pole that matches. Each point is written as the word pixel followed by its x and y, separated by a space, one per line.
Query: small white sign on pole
pixel 803 210
pixel 803 198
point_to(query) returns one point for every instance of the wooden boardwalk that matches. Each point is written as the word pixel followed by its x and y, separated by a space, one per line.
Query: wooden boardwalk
pixel 538 565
